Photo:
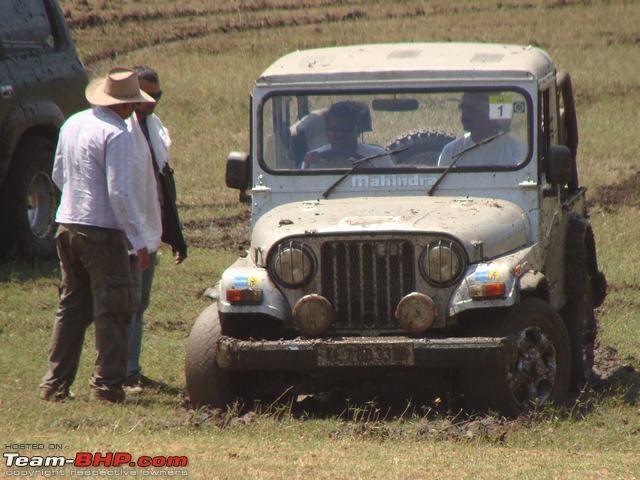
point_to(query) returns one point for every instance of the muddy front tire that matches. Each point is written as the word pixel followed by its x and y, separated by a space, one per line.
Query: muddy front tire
pixel 206 383
pixel 540 370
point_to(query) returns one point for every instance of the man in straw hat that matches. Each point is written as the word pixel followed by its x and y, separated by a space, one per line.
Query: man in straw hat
pixel 93 169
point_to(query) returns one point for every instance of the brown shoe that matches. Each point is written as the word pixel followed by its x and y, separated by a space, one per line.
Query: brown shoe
pixel 56 394
pixel 108 395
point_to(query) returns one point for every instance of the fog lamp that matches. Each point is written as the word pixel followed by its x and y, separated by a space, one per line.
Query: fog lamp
pixel 416 313
pixel 312 315
pixel 482 291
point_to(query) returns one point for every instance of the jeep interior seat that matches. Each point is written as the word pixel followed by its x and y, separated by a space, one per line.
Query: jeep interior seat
pixel 309 133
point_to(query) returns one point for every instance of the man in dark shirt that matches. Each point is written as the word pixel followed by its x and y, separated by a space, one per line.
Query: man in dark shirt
pixel 157 141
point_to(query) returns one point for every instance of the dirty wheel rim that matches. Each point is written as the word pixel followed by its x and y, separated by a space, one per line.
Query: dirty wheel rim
pixel 41 204
pixel 532 377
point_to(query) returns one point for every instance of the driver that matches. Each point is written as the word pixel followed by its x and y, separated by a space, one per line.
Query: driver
pixel 503 150
pixel 343 147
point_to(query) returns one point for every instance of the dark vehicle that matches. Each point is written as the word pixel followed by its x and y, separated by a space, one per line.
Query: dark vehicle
pixel 42 82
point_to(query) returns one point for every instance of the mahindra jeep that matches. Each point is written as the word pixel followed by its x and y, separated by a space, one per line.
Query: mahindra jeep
pixel 415 209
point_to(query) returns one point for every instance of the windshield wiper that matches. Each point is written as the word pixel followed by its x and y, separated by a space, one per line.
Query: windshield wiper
pixel 356 165
pixel 457 156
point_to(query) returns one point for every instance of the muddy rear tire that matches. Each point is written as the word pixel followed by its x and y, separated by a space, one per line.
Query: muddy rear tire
pixel 29 200
pixel 207 384
pixel 578 312
pixel 538 374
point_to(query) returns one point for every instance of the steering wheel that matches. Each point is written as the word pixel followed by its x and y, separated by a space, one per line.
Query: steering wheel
pixel 336 159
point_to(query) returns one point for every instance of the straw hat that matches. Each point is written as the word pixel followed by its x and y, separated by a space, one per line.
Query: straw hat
pixel 119 86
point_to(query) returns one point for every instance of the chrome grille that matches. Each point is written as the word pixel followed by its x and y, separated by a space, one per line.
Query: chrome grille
pixel 365 280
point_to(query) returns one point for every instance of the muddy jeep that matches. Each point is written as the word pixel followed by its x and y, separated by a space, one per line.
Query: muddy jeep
pixel 41 83
pixel 451 239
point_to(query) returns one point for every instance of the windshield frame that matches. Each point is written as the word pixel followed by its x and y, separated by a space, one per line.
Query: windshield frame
pixel 400 90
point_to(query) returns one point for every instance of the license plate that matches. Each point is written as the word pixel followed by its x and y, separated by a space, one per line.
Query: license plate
pixel 359 355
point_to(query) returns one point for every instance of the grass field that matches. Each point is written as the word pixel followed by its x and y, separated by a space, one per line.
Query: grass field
pixel 208 54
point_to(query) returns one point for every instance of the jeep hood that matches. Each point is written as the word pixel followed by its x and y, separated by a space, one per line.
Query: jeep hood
pixel 486 228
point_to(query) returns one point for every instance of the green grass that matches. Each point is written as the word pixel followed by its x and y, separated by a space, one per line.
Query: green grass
pixel 207 76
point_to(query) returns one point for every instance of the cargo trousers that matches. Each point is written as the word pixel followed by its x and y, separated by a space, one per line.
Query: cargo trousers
pixel 95 287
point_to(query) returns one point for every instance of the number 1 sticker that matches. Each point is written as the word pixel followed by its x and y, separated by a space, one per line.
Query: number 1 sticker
pixel 500 107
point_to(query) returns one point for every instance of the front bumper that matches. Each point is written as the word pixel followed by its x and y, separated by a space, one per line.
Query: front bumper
pixel 362 352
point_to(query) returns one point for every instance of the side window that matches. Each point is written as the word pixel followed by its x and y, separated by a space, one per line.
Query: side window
pixel 25 27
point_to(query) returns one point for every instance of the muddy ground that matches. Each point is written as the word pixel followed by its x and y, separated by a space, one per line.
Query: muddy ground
pixel 228 233
pixel 624 193
pixel 182 23
pixel 382 418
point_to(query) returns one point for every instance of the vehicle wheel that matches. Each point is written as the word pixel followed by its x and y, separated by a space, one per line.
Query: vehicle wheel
pixel 30 199
pixel 539 372
pixel 578 312
pixel 206 383
pixel 423 147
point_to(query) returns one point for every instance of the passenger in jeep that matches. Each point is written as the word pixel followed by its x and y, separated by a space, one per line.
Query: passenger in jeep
pixel 344 146
pixel 501 148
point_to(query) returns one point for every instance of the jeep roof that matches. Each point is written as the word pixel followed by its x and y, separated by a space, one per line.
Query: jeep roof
pixel 410 61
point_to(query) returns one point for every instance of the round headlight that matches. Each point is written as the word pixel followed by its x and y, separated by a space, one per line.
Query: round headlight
pixel 293 264
pixel 441 262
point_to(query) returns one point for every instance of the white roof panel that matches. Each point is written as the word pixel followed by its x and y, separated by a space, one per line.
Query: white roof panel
pixel 409 61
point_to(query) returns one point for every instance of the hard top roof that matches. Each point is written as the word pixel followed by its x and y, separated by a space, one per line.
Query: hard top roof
pixel 408 61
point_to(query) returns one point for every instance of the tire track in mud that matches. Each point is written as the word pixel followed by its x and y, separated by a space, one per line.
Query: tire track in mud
pixel 90 20
pixel 229 27
pixel 615 196
pixel 93 20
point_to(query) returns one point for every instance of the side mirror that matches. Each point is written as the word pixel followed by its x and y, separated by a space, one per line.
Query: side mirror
pixel 558 167
pixel 238 173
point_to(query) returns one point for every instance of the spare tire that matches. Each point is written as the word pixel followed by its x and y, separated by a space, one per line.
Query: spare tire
pixel 423 147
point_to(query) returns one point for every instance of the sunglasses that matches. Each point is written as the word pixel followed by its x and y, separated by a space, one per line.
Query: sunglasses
pixel 156 96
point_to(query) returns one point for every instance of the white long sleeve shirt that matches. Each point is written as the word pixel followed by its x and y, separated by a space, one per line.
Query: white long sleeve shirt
pixel 505 150
pixel 93 168
pixel 146 187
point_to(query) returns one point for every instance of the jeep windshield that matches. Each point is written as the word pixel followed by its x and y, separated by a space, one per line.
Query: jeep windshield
pixel 325 133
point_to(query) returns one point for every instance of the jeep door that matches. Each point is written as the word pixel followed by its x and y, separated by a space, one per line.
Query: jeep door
pixel 553 220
